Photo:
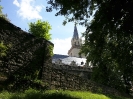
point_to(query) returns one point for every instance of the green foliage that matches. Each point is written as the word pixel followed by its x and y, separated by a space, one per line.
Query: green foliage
pixel 40 29
pixel 50 47
pixel 3 49
pixel 108 37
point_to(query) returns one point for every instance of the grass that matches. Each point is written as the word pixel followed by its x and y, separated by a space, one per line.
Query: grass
pixel 54 94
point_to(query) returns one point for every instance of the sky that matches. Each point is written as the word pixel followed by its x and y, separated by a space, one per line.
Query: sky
pixel 22 12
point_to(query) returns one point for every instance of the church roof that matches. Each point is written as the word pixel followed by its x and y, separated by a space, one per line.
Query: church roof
pixel 75 34
pixel 67 59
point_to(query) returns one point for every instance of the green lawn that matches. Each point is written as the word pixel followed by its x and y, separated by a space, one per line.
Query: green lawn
pixel 53 94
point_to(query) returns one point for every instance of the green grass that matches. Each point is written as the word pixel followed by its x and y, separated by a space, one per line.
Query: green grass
pixel 53 94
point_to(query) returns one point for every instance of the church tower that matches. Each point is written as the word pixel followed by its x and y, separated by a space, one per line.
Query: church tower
pixel 76 43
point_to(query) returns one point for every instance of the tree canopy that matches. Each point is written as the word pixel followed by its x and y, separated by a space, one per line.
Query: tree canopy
pixel 40 29
pixel 108 37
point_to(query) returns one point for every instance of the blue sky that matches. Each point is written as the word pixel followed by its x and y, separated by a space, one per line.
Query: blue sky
pixel 21 12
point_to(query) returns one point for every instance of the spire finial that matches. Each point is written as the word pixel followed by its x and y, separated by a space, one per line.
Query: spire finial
pixel 76 23
pixel 75 34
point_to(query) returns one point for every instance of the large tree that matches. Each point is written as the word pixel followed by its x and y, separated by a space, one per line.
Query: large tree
pixel 40 29
pixel 108 37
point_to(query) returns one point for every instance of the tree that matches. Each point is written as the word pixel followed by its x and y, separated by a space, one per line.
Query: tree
pixel 108 37
pixel 4 16
pixel 40 29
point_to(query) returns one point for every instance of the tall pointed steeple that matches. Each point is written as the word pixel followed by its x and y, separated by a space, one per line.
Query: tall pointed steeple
pixel 75 34
pixel 76 44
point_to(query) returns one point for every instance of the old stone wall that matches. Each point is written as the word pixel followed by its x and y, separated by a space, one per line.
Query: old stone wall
pixel 58 79
pixel 26 54
pixel 81 71
pixel 68 67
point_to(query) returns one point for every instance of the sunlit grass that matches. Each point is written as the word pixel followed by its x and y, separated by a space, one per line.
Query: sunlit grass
pixel 81 94
pixel 55 94
pixel 85 95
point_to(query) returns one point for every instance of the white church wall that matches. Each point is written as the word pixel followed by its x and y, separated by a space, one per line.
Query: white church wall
pixel 77 42
pixel 74 52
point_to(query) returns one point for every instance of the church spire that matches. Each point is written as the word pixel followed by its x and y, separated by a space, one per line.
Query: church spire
pixel 75 34
pixel 75 44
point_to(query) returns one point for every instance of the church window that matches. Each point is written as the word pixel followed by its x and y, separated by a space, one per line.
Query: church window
pixel 82 63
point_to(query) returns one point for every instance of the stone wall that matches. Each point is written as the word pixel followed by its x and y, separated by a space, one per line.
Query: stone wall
pixel 27 52
pixel 58 79
pixel 75 68
pixel 81 71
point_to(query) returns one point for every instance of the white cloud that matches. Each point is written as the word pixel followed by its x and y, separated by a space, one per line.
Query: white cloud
pixel 28 10
pixel 15 2
pixel 61 46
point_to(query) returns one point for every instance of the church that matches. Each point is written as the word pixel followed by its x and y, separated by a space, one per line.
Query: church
pixel 73 58
pixel 76 44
